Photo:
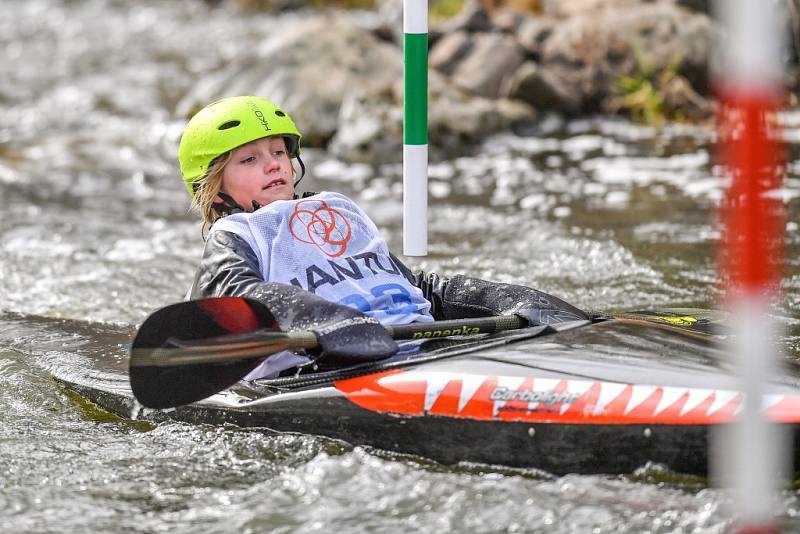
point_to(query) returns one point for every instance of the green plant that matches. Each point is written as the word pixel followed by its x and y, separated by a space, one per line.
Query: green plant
pixel 642 93
pixel 444 9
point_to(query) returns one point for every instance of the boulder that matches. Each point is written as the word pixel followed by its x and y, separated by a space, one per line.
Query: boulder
pixel 472 18
pixel 532 32
pixel 701 6
pixel 572 8
pixel 390 21
pixel 449 51
pixel 681 98
pixel 588 53
pixel 457 117
pixel 272 6
pixel 308 67
pixel 458 120
pixel 507 20
pixel 542 89
pixel 371 129
pixel 492 59
pixel 343 85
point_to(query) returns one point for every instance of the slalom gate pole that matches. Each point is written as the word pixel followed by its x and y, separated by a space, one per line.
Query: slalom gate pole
pixel 415 128
pixel 751 453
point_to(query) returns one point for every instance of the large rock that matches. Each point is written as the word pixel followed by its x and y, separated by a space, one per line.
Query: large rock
pixel 532 32
pixel 572 8
pixel 492 59
pixel 370 126
pixel 270 5
pixel 542 89
pixel 449 51
pixel 457 118
pixel 343 87
pixel 588 53
pixel 507 20
pixel 472 18
pixel 703 6
pixel 308 67
pixel 681 99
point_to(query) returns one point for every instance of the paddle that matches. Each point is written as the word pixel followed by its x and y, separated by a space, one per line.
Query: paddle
pixel 189 351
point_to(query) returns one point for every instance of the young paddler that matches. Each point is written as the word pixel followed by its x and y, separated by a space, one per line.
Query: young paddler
pixel 318 262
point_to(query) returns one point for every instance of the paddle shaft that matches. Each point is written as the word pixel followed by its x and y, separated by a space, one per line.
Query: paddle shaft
pixel 260 343
pixel 306 339
pixel 457 327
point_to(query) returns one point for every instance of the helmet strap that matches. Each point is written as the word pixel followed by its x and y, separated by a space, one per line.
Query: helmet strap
pixel 302 171
pixel 228 206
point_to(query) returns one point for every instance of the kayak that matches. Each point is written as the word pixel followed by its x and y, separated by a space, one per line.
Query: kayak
pixel 609 395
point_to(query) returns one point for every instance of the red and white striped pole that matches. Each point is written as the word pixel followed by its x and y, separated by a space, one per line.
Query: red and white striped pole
pixel 750 92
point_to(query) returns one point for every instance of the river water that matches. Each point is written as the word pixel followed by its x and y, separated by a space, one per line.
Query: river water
pixel 95 234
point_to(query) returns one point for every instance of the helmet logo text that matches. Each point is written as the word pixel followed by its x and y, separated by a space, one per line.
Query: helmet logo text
pixel 262 119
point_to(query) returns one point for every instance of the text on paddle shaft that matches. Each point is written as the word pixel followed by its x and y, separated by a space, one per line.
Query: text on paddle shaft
pixel 462 331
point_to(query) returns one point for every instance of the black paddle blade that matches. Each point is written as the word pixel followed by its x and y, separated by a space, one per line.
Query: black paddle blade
pixel 163 385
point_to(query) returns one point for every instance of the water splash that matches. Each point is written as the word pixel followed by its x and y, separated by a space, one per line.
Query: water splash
pixel 136 410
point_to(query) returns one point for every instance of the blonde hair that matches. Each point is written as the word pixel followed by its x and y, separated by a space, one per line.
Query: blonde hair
pixel 206 190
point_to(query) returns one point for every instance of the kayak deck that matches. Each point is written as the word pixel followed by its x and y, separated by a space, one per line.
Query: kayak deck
pixel 604 398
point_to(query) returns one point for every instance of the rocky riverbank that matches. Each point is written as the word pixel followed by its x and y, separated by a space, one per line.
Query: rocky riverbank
pixel 493 67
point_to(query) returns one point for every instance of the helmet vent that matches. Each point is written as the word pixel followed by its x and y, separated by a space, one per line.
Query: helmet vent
pixel 228 125
pixel 280 113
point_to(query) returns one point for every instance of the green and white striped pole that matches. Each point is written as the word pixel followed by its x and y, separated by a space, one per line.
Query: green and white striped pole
pixel 415 128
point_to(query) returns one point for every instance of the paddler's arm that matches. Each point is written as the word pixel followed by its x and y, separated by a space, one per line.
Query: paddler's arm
pixel 230 268
pixel 461 297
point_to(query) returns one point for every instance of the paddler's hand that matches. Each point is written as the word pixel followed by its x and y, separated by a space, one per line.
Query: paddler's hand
pixel 355 340
pixel 345 335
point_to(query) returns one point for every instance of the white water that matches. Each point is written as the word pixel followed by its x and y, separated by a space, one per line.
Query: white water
pixel 602 213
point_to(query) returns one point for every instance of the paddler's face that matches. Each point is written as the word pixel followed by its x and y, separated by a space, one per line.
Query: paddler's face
pixel 260 170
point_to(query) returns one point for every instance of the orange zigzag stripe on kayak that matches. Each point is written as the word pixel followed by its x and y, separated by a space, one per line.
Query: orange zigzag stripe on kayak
pixel 544 400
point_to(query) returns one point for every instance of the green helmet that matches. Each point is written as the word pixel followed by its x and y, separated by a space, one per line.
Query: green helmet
pixel 229 123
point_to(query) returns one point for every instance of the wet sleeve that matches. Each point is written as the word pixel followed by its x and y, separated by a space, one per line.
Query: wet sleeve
pixel 229 267
pixel 406 272
pixel 461 297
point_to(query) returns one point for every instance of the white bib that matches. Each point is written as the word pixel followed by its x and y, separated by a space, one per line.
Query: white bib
pixel 327 245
